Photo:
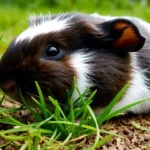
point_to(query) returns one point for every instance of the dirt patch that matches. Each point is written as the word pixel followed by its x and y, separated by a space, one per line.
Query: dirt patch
pixel 135 130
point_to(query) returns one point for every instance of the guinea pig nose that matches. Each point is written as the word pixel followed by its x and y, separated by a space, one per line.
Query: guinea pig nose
pixel 10 87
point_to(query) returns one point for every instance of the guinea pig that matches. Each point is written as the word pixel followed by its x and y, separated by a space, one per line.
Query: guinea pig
pixel 103 53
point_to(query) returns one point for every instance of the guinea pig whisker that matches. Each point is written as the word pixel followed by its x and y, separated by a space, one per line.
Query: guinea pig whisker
pixel 44 84
pixel 31 94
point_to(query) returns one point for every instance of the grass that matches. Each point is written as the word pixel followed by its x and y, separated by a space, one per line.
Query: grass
pixel 59 129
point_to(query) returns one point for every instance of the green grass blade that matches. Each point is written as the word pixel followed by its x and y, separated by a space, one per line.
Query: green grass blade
pixel 57 113
pixel 82 120
pixel 51 140
pixel 36 102
pixel 84 110
pixel 93 117
pixel 10 120
pixel 24 146
pixel 70 93
pixel 104 140
pixel 57 106
pixel 97 128
pixel 28 129
pixel 42 100
pixel 5 144
pixel 1 101
pixel 39 106
pixel 108 109
pixel 12 137
pixel 139 126
pixel 71 117
pixel 78 111
pixel 78 103
pixel 10 110
pixel 36 143
pixel 66 140
pixel 119 111
pixel 36 115
pixel 44 121
pixel 84 103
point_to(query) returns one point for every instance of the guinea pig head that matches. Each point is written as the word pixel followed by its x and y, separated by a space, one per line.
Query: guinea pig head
pixel 55 49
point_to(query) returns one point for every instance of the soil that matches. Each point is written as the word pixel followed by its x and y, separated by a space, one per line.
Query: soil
pixel 135 130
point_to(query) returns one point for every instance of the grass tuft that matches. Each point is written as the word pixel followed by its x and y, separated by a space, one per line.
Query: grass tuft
pixel 64 126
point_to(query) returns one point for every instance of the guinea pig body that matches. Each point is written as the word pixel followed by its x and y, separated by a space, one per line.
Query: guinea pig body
pixel 103 53
pixel 140 74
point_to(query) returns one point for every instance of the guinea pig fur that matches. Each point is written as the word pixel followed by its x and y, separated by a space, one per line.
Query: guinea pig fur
pixel 102 52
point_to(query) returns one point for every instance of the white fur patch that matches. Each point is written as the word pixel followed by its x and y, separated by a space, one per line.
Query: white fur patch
pixel 137 90
pixel 79 62
pixel 44 27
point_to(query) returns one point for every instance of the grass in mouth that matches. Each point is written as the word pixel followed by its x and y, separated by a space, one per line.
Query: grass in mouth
pixel 59 129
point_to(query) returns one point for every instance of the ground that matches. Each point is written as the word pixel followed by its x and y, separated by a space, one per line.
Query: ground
pixel 134 129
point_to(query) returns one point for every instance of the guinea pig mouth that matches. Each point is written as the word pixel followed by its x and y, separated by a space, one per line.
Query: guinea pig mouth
pixel 27 88
pixel 31 90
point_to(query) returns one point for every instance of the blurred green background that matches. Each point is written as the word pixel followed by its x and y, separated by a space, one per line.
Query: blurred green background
pixel 14 13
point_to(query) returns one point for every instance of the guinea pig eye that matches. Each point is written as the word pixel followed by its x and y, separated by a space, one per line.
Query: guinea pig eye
pixel 52 51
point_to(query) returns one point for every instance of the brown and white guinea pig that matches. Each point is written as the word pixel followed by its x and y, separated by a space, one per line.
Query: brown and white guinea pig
pixel 103 53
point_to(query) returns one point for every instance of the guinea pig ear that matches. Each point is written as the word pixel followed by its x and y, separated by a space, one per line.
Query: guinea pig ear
pixel 121 35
